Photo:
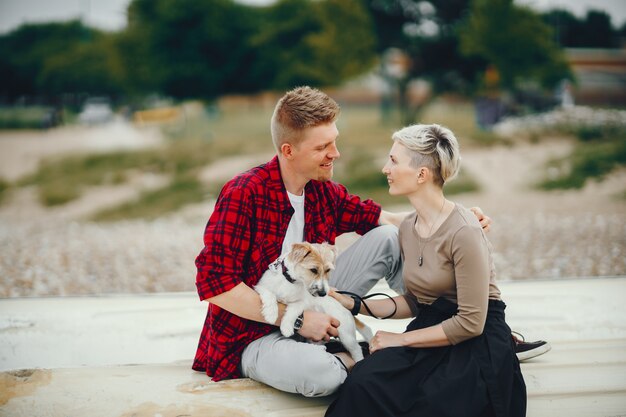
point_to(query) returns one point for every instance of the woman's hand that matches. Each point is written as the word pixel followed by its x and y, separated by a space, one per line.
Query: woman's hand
pixel 344 300
pixel 382 340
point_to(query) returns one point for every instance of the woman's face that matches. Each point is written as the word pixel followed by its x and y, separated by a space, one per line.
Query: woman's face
pixel 401 177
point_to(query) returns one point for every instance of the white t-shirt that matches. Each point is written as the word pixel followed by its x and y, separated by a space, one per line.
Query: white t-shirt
pixel 295 230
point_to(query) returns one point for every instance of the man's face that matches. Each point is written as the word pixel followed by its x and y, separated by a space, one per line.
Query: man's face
pixel 313 158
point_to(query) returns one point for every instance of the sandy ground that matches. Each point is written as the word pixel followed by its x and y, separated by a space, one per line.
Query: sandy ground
pixel 56 252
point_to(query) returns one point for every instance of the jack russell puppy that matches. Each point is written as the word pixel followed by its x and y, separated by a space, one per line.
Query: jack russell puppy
pixel 300 280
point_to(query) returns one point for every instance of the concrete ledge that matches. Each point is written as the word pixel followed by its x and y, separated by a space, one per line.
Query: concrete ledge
pixel 583 375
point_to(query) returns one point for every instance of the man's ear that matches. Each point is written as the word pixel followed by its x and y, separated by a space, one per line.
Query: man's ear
pixel 286 150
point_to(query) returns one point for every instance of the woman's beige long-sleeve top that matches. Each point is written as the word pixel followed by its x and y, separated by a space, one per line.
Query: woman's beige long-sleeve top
pixel 457 265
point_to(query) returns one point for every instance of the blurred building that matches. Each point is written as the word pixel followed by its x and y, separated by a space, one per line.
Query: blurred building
pixel 600 75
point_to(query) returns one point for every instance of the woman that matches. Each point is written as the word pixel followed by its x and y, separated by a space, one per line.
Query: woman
pixel 456 358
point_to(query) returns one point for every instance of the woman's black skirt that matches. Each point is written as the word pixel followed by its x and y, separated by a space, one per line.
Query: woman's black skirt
pixel 478 377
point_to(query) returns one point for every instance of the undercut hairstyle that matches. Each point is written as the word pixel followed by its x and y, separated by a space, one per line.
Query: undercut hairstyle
pixel 299 109
pixel 434 147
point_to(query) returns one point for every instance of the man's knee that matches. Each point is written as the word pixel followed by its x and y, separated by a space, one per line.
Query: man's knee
pixel 320 376
pixel 386 238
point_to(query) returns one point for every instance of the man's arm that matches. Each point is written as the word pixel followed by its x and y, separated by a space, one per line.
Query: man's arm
pixel 395 219
pixel 244 302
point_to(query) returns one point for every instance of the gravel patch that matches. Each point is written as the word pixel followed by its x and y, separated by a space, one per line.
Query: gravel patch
pixel 536 235
pixel 561 118
pixel 41 259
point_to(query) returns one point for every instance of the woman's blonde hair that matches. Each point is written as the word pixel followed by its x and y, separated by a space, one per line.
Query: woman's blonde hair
pixel 434 147
pixel 298 109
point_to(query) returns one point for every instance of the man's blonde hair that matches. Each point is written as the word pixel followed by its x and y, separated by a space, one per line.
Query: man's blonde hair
pixel 298 109
pixel 434 147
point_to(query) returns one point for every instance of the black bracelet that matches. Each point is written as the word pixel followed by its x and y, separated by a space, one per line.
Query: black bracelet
pixel 358 300
pixel 357 305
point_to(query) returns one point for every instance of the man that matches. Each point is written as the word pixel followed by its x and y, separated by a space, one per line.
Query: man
pixel 257 216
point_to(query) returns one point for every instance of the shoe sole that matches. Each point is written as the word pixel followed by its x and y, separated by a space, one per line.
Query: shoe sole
pixel 533 353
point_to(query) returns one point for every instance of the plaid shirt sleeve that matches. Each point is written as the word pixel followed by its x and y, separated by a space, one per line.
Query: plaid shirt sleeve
pixel 227 241
pixel 354 214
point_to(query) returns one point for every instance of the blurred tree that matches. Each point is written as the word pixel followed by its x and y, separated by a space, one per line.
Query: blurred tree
pixel 599 32
pixel 515 41
pixel 568 29
pixel 82 68
pixel 319 43
pixel 594 31
pixel 187 48
pixel 204 48
pixel 53 58
pixel 427 32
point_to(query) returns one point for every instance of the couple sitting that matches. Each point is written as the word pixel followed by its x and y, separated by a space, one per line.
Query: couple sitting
pixel 457 357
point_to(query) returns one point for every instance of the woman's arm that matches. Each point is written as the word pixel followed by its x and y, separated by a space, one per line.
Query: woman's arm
pixel 433 336
pixel 471 268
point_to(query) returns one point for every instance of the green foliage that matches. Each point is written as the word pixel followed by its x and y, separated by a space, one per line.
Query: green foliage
pixel 54 58
pixel 435 57
pixel 318 43
pixel 192 49
pixel 188 48
pixel 515 41
pixel 184 48
pixel 594 31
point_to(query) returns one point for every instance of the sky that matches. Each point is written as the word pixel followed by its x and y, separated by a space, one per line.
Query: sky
pixel 111 14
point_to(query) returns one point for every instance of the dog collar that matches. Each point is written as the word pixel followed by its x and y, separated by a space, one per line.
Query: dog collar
pixel 286 273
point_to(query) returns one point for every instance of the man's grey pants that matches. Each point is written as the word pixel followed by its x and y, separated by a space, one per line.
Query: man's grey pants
pixel 305 368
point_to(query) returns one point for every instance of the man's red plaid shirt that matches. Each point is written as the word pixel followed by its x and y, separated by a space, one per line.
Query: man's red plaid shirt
pixel 244 235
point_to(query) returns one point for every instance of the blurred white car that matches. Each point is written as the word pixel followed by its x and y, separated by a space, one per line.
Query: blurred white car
pixel 95 111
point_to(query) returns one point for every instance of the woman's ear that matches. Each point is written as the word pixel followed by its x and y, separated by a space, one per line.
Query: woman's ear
pixel 422 174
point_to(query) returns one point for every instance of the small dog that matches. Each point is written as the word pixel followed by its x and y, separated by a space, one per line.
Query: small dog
pixel 300 280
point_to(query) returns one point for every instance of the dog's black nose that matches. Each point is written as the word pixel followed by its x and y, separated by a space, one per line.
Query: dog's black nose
pixel 321 293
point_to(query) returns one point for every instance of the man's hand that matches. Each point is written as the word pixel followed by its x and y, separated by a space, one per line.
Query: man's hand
pixel 485 221
pixel 319 326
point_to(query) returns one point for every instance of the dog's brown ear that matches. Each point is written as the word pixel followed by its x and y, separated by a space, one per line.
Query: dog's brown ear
pixel 299 251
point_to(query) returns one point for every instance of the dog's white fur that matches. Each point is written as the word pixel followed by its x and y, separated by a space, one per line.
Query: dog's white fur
pixel 309 265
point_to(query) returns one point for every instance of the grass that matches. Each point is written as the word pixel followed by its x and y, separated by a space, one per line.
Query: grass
pixel 588 160
pixel 600 150
pixel 206 137
pixel 4 187
pixel 63 180
pixel 180 192
pixel 32 117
